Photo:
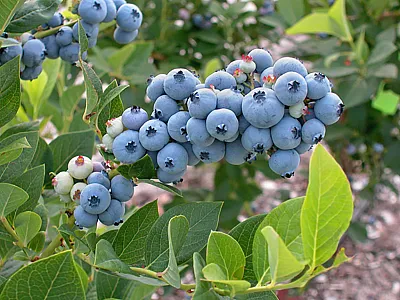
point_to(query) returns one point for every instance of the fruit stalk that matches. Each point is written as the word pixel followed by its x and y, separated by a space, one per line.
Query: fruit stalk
pixel 42 34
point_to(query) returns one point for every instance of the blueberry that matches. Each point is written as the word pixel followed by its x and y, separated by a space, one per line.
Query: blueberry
pixel 84 219
pixel 329 109
pixel 90 29
pixel 247 65
pixel 233 138
pixel 127 147
pixel 210 154
pixel 52 48
pixel 114 127
pixel 80 167
pixel 289 64
pixel 119 3
pixel 56 20
pixel 192 158
pixel 201 103
pixel 318 85
pixel 124 37
pixel 26 37
pixel 153 135
pixel 177 126
pixel 121 188
pixel 155 86
pixel 100 178
pixel 153 156
pixel 303 148
pixel 129 17
pixel 284 162
pixel 287 133
pixel 64 36
pixel 233 66
pixel 351 149
pixel 222 124
pixel 98 166
pixel 267 76
pixel 8 53
pixel 197 133
pixel 236 154
pixel 62 183
pixel 257 140
pixel 261 108
pixel 165 107
pixel 197 20
pixel 298 110
pixel 240 76
pixel 291 88
pixel 34 52
pixel 113 214
pixel 179 84
pixel 173 158
pixel 95 198
pixel 111 11
pixel 220 80
pixel 378 148
pixel 262 58
pixel 70 53
pixel 76 191
pixel 134 117
pixel 313 131
pixel 170 178
pixel 92 11
pixel 230 99
pixel 243 124
pixel 31 73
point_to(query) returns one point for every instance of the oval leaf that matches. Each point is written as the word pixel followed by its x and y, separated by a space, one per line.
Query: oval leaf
pixel 27 225
pixel 11 197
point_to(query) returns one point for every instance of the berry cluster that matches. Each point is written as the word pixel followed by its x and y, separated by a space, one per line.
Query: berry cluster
pixel 267 8
pixel 232 116
pixel 65 42
pixel 87 184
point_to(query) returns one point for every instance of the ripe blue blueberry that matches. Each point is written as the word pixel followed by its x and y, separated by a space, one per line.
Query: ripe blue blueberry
pixel 192 158
pixel 31 73
pixel 111 11
pixel 127 147
pixel 121 188
pixel 179 84
pixel 313 131
pixel 129 17
pixel 153 135
pixel 177 126
pixel 262 58
pixel 56 20
pixel 119 3
pixel 64 36
pixel 222 124
pixel 165 107
pixel 220 80
pixel 70 53
pixel 124 37
pixel 134 117
pixel 170 178
pixel 8 53
pixel 329 109
pixel 289 64
pixel 113 214
pixel 257 140
pixel 287 133
pixel 318 85
pixel 230 99
pixel 84 219
pixel 351 149
pixel 303 148
pixel 155 86
pixel 291 88
pixel 52 48
pixel 284 162
pixel 236 154
pixel 90 29
pixel 243 124
pixel 233 66
pixel 100 178
pixel 173 158
pixel 200 86
pixel 261 108
pixel 230 140
pixel 34 52
pixel 378 148
pixel 201 103
pixel 210 154
pixel 92 11
pixel 153 156
pixel 95 198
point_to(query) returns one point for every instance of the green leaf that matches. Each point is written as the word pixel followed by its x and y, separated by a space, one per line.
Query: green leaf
pixel 130 241
pixel 107 259
pixel 327 208
pixel 203 217
pixel 226 252
pixel 384 71
pixel 7 11
pixel 386 101
pixel 109 236
pixel 391 157
pixel 83 40
pixel 32 14
pixel 10 90
pixel 37 243
pixel 178 228
pixel 283 264
pixel 43 156
pixel 27 225
pixel 94 89
pixel 69 100
pixel 339 259
pixel 244 233
pixel 362 50
pixel 291 11
pixel 69 145
pixel 212 66
pixel 285 219
pixel 143 169
pixel 165 187
pixel 381 52
pixel 13 151
pixel 268 295
pixel 52 69
pixel 203 290
pixel 58 279
pixel 7 42
pixel 11 197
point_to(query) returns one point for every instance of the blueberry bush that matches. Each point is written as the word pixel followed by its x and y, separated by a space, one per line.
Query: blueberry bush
pixel 66 231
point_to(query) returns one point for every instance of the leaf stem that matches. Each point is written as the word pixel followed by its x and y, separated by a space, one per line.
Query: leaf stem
pixel 11 231
pixel 42 34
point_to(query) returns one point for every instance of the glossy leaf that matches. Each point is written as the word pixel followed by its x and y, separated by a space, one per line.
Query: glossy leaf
pixel 13 151
pixel 291 11
pixel 11 197
pixel 10 90
pixel 165 187
pixel 83 40
pixel 7 11
pixel 27 225
pixel 107 259
pixel 203 289
pixel 143 169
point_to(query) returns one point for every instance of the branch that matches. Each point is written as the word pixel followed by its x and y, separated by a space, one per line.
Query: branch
pixel 42 34
pixel 11 231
